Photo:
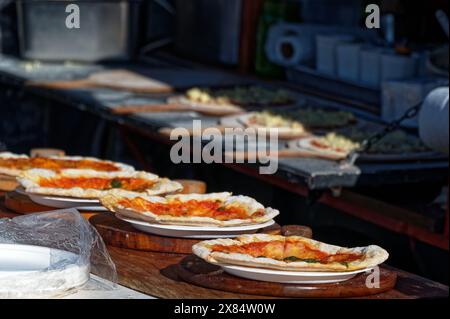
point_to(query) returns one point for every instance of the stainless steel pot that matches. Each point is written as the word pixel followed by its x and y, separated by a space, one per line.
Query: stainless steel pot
pixel 108 30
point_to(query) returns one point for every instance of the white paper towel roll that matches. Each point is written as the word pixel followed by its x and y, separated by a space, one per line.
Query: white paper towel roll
pixel 288 51
pixel 433 120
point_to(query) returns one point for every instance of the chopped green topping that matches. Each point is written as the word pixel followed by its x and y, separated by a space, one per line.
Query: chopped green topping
pixel 115 183
pixel 306 260
pixel 344 263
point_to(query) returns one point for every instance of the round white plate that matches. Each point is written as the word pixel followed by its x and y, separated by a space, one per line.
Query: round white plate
pixel 24 269
pixel 194 231
pixel 293 277
pixel 68 202
pixel 65 202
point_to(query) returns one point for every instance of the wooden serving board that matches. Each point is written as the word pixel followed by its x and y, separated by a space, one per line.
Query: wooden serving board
pixel 174 106
pixel 118 233
pixel 22 204
pixel 8 183
pixel 196 271
pixel 114 79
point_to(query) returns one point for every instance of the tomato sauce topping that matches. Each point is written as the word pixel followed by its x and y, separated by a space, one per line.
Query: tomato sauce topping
pixel 324 146
pixel 289 250
pixel 200 208
pixel 56 164
pixel 130 184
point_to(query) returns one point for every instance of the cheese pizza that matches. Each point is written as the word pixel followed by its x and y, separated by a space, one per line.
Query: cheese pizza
pixel 341 144
pixel 292 253
pixel 286 127
pixel 215 209
pixel 93 184
pixel 14 164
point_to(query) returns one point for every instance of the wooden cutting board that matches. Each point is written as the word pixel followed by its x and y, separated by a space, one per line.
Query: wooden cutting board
pixel 174 107
pixel 8 183
pixel 22 204
pixel 200 273
pixel 114 79
pixel 118 233
pixel 191 186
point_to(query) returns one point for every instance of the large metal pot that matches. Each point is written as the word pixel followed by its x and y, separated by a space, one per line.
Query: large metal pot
pixel 108 30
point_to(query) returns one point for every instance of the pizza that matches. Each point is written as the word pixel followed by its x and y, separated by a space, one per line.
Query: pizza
pixel 94 184
pixel 215 209
pixel 207 108
pixel 332 145
pixel 14 164
pixel 293 253
pixel 285 127
pixel 341 144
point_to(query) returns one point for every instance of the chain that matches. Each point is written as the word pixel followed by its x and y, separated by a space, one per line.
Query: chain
pixel 392 126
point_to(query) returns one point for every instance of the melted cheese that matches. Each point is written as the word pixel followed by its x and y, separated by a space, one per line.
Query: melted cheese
pixel 289 250
pixel 191 208
pixel 130 184
pixel 56 164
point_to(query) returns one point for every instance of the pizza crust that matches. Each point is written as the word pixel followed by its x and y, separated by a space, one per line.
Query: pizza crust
pixel 10 171
pixel 306 143
pixel 111 200
pixel 373 255
pixel 286 133
pixel 16 172
pixel 30 182
pixel 216 109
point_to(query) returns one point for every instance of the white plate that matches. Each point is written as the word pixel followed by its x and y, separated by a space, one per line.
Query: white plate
pixel 84 204
pixel 24 268
pixel 293 277
pixel 194 231
pixel 68 202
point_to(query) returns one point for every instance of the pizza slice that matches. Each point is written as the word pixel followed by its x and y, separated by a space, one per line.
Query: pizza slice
pixel 292 253
pixel 332 145
pixel 14 164
pixel 93 184
pixel 215 209
pixel 341 144
pixel 285 127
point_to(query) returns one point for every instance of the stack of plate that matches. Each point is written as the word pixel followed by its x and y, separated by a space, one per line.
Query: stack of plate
pixel 33 271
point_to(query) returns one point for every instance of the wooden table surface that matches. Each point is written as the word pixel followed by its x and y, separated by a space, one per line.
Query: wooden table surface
pixel 153 274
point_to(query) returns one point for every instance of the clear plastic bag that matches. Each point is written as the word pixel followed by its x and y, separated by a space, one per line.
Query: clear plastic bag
pixel 50 254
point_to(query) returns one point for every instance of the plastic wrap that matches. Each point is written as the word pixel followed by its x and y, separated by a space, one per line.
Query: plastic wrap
pixel 50 254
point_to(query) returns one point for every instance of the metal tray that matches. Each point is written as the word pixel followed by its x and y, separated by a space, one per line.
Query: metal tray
pixel 108 30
